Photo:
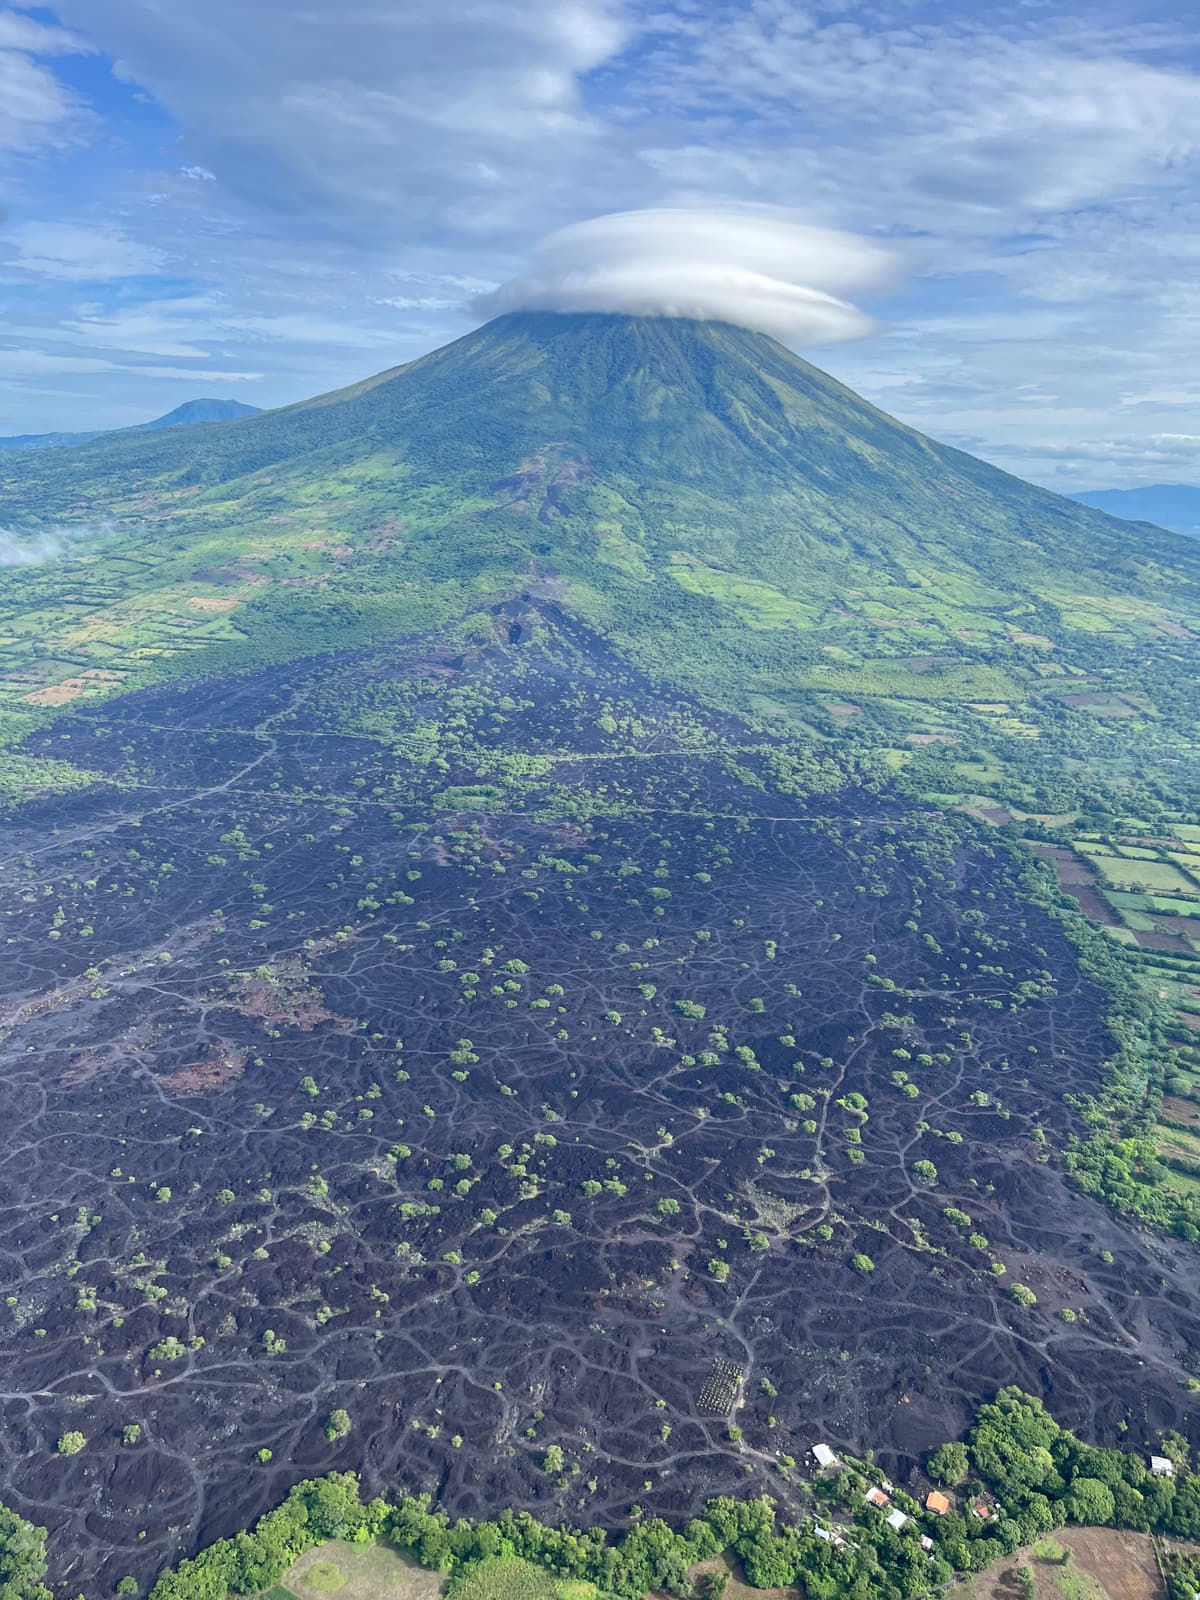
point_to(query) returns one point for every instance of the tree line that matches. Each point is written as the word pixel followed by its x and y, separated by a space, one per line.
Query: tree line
pixel 1027 1473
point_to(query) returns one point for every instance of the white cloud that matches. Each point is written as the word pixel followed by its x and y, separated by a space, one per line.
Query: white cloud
pixel 753 270
pixel 384 120
pixel 195 375
pixel 957 122
pixel 169 327
pixel 308 328
pixel 74 253
pixel 182 326
pixel 36 109
pixel 37 38
pixel 41 363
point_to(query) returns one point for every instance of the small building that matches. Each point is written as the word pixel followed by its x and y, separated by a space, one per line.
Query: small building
pixel 824 1456
pixel 830 1536
pixel 937 1502
pixel 982 1510
pixel 927 1544
pixel 896 1519
pixel 1161 1467
pixel 876 1497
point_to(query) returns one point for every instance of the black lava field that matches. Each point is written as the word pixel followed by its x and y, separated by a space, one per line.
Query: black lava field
pixel 495 1047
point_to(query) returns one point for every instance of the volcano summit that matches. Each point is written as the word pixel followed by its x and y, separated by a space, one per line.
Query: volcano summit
pixel 525 927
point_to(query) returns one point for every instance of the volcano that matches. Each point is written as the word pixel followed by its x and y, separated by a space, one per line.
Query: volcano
pixel 509 946
pixel 651 429
pixel 730 515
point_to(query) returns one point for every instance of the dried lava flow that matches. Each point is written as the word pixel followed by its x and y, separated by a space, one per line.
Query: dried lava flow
pixel 344 1067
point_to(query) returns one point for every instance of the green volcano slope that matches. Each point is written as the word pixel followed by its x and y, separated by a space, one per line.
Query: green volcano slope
pixel 727 514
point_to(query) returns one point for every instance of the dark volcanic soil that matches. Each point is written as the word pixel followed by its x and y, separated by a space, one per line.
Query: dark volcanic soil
pixel 343 1066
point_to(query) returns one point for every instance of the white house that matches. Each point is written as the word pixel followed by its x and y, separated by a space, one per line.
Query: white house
pixel 830 1536
pixel 824 1456
pixel 896 1519
pixel 1161 1467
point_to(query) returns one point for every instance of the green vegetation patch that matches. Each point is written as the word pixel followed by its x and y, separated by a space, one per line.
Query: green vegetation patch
pixel 324 1577
pixel 1125 874
pixel 23 776
pixel 759 604
pixel 511 1578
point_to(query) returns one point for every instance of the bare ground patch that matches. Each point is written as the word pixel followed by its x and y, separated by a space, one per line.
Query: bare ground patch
pixel 1101 1564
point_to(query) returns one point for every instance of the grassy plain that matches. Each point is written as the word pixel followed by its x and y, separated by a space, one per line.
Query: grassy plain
pixel 362 1572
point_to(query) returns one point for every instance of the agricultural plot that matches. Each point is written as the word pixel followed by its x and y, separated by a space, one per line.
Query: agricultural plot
pixel 1129 872
pixel 1077 1564
pixel 719 1391
pixel 364 1572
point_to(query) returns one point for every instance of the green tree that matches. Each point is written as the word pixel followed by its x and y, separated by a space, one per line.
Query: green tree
pixel 22 1558
pixel 1090 1501
pixel 337 1424
pixel 949 1463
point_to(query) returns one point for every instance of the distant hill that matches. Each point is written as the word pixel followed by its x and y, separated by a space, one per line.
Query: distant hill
pixel 1175 506
pixel 188 415
pixel 192 412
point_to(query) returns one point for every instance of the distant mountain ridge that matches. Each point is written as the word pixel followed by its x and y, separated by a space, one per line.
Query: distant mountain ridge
pixel 1174 506
pixel 188 415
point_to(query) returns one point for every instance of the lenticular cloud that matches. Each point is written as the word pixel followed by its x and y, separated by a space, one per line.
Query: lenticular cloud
pixel 779 277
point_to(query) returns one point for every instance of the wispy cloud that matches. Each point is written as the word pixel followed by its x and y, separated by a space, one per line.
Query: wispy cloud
pixel 76 254
pixel 364 116
pixel 44 363
pixel 36 108
pixel 963 122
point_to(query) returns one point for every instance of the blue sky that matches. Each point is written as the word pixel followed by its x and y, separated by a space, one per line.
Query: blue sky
pixel 267 198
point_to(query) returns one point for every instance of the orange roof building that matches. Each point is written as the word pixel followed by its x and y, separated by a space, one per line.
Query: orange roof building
pixel 937 1502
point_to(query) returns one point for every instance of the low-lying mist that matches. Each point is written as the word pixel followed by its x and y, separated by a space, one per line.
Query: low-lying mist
pixel 30 548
